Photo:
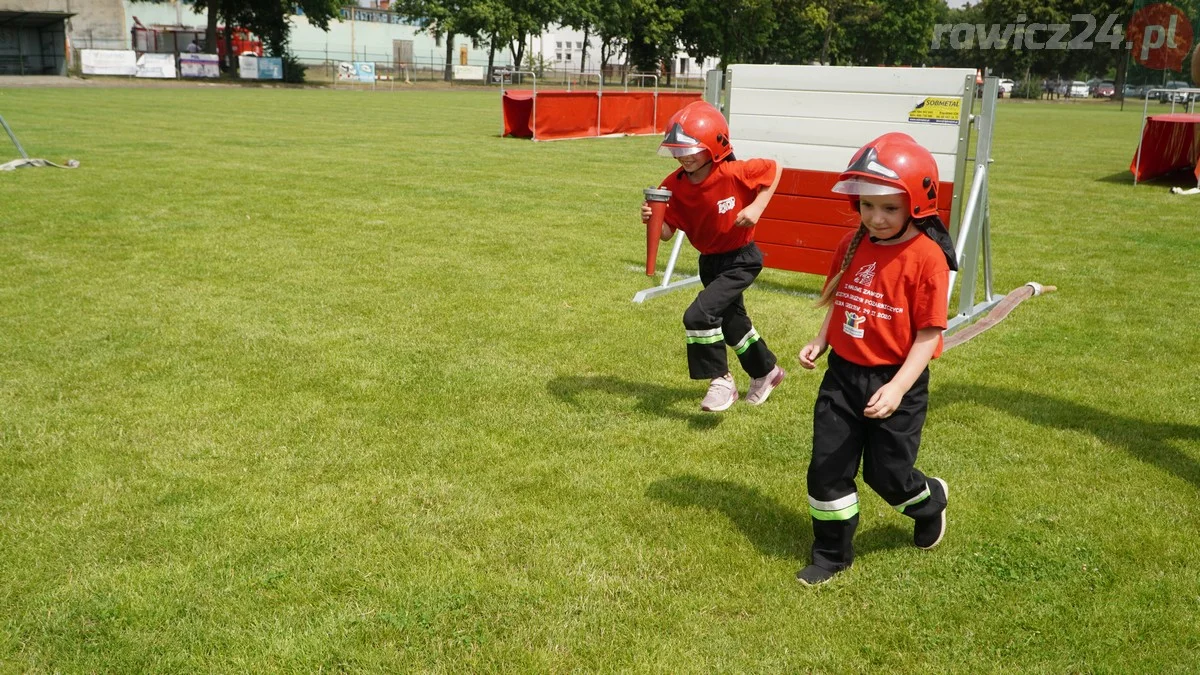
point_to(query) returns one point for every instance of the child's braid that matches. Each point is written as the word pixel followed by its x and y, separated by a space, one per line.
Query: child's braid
pixel 827 292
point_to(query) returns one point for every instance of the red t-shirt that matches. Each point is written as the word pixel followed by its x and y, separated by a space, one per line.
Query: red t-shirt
pixel 707 211
pixel 887 294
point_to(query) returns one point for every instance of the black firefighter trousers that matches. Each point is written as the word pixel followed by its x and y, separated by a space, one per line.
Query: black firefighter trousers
pixel 717 317
pixel 887 448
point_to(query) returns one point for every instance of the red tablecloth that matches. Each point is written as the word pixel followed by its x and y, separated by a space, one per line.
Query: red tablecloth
pixel 1169 142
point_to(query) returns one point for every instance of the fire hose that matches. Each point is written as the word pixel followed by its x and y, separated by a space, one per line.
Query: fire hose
pixel 26 160
pixel 1008 304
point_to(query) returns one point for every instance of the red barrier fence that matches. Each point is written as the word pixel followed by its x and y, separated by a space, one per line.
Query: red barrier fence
pixel 805 222
pixel 552 115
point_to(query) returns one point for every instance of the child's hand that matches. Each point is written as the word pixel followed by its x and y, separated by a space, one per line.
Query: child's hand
pixel 884 402
pixel 748 217
pixel 645 212
pixel 810 352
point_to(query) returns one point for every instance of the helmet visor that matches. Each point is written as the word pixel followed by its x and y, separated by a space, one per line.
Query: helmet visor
pixel 862 186
pixel 679 151
pixel 677 143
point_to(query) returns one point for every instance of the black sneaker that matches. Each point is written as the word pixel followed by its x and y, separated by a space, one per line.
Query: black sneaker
pixel 928 532
pixel 814 576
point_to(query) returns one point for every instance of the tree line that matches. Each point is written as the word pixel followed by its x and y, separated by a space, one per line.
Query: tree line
pixel 646 34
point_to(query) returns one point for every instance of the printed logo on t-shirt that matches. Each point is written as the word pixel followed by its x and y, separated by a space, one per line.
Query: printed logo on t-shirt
pixel 865 275
pixel 853 325
pixel 726 205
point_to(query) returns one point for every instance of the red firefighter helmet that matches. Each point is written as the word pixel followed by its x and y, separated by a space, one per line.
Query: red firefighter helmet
pixel 894 163
pixel 698 126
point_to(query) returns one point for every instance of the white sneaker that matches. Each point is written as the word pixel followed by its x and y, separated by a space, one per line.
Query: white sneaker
pixel 722 392
pixel 761 387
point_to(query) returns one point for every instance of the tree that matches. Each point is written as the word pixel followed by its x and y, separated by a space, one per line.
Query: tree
pixel 653 33
pixel 614 26
pixel 797 39
pixel 895 33
pixel 582 15
pixel 490 22
pixel 733 31
pixel 440 18
pixel 527 18
pixel 266 18
pixel 830 18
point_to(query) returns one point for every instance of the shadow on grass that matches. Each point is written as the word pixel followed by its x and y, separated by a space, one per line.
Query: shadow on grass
pixel 653 399
pixel 1183 178
pixel 1146 441
pixel 682 271
pixel 774 529
pixel 804 290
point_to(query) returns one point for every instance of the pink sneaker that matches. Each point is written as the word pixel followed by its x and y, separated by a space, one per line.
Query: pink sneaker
pixel 722 392
pixel 761 387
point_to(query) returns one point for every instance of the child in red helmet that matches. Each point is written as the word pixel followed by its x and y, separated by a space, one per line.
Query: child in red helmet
pixel 887 296
pixel 717 200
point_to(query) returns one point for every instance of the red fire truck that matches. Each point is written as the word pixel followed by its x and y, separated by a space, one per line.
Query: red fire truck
pixel 161 39
pixel 244 43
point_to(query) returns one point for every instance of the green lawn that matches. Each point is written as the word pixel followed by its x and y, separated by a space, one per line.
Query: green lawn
pixel 298 380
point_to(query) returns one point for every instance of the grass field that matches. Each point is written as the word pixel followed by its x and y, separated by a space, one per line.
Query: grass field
pixel 297 380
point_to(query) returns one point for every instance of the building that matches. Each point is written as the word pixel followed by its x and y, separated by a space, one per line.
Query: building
pixel 36 35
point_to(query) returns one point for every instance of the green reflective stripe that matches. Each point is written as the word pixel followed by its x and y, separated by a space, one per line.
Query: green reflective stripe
pixel 919 498
pixel 749 334
pixel 750 339
pixel 841 514
pixel 704 340
pixel 704 332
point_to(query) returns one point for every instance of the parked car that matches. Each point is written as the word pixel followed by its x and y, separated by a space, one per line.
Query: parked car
pixel 1105 89
pixel 1131 91
pixel 1173 96
pixel 1164 96
pixel 1006 88
pixel 1078 90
